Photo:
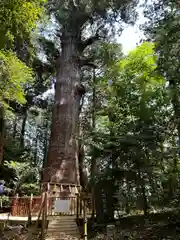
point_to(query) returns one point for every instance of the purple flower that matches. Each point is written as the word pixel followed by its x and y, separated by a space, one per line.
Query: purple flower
pixel 1 189
pixel 110 82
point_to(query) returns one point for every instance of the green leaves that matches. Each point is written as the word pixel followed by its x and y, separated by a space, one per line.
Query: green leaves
pixel 130 125
pixel 141 63
pixel 24 176
pixel 17 19
pixel 14 76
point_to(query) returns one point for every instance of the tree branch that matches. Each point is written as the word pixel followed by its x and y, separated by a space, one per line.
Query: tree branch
pixel 87 62
pixel 89 42
pixel 81 104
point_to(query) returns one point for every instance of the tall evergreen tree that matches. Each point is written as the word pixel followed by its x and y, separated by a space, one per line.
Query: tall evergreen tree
pixel 75 20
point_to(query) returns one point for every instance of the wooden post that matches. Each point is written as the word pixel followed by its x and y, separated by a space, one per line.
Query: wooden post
pixel 16 205
pixel 48 187
pixel 1 205
pixel 40 210
pixel 30 210
pixel 42 224
pixel 44 215
pixel 93 203
pixel 85 221
pixel 46 207
pixel 80 205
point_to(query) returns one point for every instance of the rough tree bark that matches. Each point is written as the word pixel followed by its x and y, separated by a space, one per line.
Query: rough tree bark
pixel 62 164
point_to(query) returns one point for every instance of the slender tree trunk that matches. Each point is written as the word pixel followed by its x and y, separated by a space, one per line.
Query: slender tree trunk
pixel 45 149
pixel 45 143
pixel 162 155
pixel 23 129
pixel 93 159
pixel 127 206
pixel 62 164
pixel 141 187
pixel 36 146
pixel 2 128
pixel 176 105
pixel 82 170
pixel 15 128
pixel 143 193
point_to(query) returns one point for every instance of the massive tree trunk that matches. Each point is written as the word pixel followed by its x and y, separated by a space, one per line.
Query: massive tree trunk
pixel 62 163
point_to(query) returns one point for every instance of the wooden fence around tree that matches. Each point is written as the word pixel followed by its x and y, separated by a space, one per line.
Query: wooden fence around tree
pixel 21 206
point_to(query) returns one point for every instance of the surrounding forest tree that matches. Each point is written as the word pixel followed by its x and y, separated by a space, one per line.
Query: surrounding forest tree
pixel 19 84
pixel 165 32
pixel 17 21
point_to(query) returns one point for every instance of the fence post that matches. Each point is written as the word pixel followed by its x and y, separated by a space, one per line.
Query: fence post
pixel 85 220
pixel 1 204
pixel 93 203
pixel 42 223
pixel 46 208
pixel 77 208
pixel 30 210
pixel 44 215
pixel 80 205
pixel 17 207
pixel 40 210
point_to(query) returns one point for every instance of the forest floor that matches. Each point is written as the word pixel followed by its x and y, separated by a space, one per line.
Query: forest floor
pixel 161 226
pixel 20 232
pixel 158 226
pixel 153 232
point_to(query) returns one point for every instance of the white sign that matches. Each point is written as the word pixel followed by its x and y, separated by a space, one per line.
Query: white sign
pixel 61 206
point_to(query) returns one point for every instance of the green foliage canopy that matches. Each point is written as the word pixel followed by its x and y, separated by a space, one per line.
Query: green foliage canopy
pixel 18 18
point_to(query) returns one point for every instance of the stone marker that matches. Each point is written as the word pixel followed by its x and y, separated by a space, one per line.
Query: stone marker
pixel 110 231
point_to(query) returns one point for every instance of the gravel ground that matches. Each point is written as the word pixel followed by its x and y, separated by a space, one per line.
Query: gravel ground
pixel 62 236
